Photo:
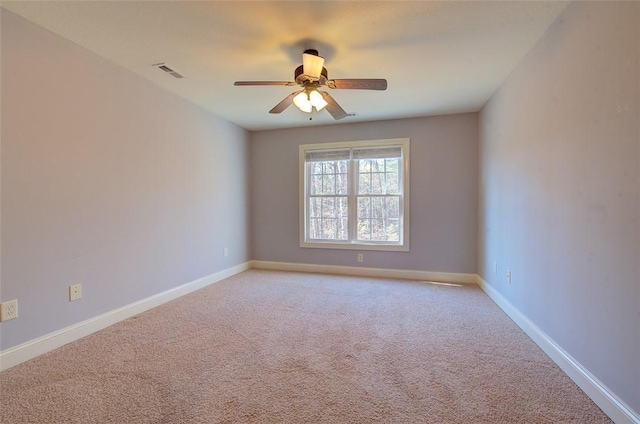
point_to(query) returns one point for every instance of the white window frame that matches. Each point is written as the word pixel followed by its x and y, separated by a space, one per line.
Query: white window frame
pixel 353 243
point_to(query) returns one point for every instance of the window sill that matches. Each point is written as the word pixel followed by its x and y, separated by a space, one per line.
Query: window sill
pixel 356 246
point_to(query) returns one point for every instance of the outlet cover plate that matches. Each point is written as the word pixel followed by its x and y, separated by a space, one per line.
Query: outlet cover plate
pixel 75 292
pixel 9 310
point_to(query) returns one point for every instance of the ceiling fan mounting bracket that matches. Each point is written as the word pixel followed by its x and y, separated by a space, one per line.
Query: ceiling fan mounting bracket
pixel 310 86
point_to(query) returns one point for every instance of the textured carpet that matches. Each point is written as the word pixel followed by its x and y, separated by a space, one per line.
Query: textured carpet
pixel 275 347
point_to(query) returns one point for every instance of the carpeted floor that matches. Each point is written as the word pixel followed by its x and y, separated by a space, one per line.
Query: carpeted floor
pixel 275 347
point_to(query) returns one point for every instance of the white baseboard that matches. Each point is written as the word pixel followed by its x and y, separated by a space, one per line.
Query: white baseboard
pixel 407 274
pixel 615 408
pixel 36 347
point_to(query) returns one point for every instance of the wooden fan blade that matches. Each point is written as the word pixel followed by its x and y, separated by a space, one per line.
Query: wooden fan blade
pixel 284 103
pixel 333 107
pixel 285 83
pixel 358 84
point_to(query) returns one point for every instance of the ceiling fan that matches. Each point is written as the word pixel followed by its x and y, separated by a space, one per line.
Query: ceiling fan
pixel 312 75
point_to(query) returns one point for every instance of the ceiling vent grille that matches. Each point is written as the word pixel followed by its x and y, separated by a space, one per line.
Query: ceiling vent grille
pixel 168 70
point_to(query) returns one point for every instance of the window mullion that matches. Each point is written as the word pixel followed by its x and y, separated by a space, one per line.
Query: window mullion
pixel 352 199
pixel 402 193
pixel 307 201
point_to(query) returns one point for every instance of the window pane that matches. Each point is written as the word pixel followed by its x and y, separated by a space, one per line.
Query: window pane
pixel 316 185
pixel 315 207
pixel 328 177
pixel 314 228
pixel 377 183
pixel 328 229
pixel 392 207
pixel 364 165
pixel 378 218
pixel 364 229
pixel 328 218
pixel 342 184
pixel 343 229
pixel 378 176
pixel 328 207
pixel 364 184
pixel 342 205
pixel 364 207
pixel 328 184
pixel 316 167
pixel 330 167
pixel 392 183
pixel 392 176
pixel 377 207
pixel 377 230
pixel 393 230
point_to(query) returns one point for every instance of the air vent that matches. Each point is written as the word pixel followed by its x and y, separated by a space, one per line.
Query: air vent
pixel 168 70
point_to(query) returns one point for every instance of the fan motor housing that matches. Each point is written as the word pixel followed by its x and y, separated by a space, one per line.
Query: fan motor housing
pixel 301 78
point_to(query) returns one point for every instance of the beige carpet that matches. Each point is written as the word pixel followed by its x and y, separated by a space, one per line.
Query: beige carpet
pixel 274 347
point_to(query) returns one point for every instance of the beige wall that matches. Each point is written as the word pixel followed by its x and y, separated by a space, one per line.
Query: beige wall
pixel 108 181
pixel 444 166
pixel 559 190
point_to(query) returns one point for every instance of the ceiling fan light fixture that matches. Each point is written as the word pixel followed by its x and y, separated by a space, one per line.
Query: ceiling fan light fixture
pixel 302 102
pixel 317 100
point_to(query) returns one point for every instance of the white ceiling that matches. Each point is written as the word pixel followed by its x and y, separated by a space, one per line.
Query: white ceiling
pixel 439 57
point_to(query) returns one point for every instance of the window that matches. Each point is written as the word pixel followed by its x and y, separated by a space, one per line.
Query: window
pixel 355 195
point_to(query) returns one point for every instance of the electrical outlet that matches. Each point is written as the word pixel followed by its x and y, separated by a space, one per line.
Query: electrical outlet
pixel 75 292
pixel 9 310
pixel 360 257
pixel 509 277
pixel 225 251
